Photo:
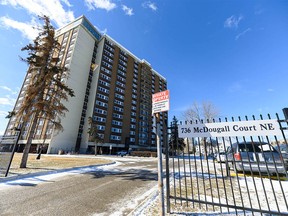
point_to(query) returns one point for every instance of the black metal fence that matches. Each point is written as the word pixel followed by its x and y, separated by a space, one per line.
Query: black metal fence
pixel 232 167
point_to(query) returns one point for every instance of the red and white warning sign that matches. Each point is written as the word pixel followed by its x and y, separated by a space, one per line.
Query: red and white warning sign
pixel 160 102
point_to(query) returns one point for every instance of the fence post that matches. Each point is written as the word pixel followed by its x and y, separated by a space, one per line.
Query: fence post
pixel 167 169
pixel 160 167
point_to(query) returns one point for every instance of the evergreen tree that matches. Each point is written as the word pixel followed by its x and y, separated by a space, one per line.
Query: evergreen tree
pixel 46 91
pixel 93 133
pixel 176 144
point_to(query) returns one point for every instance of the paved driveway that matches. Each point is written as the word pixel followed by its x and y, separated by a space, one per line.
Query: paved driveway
pixel 106 190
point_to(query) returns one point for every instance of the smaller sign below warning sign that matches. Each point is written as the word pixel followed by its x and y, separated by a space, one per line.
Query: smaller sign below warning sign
pixel 160 102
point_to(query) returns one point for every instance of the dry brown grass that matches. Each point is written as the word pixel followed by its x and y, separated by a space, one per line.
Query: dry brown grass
pixel 52 162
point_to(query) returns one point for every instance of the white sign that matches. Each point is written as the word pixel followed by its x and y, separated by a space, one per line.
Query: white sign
pixel 225 129
pixel 160 102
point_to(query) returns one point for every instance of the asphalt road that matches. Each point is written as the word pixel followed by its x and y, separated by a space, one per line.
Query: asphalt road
pixel 110 190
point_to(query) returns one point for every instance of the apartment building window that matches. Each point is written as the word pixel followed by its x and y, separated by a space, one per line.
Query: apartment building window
pixel 122 68
pixel 133 133
pixel 132 139
pixel 120 90
pixel 121 78
pixel 119 102
pixel 115 115
pixel 113 137
pixel 118 123
pixel 120 84
pixel 103 89
pixel 101 127
pixel 133 120
pixel 106 77
pixel 119 96
pixel 108 59
pixel 100 111
pixel 108 53
pixel 106 70
pixel 102 96
pixel 133 113
pixel 109 48
pixel 100 103
pixel 122 62
pixel 121 73
pixel 119 109
pixel 106 64
pixel 116 130
pixel 133 126
pixel 104 83
pixel 99 119
pixel 123 57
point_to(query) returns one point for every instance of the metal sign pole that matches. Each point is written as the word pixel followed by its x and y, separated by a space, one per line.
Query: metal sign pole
pixel 13 151
pixel 160 167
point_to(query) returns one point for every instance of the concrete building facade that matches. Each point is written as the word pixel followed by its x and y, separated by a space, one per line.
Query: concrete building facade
pixel 111 85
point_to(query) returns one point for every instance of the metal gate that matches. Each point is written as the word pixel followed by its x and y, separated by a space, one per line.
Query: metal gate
pixel 234 175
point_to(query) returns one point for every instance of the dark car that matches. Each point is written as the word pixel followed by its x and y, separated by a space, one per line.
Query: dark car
pixel 283 149
pixel 256 157
pixel 122 153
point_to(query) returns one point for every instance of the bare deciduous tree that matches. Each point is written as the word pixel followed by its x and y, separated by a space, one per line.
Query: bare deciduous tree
pixel 204 112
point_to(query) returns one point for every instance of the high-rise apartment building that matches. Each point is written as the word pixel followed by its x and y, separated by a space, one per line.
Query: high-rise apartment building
pixel 111 85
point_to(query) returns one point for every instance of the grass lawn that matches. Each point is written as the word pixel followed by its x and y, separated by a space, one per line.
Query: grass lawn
pixel 52 162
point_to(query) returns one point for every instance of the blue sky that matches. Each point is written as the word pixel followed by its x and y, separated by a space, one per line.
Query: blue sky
pixel 232 53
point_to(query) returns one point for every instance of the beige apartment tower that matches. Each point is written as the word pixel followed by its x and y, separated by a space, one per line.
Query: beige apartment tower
pixel 111 85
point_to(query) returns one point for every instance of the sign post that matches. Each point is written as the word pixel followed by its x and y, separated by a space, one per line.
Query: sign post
pixel 160 103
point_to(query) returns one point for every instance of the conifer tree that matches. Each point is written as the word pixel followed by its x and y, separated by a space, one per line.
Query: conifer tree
pixel 176 144
pixel 47 90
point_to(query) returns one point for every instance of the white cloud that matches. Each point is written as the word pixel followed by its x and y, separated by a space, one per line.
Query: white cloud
pixel 232 22
pixel 26 29
pixel 151 5
pixel 8 89
pixel 101 4
pixel 128 11
pixel 52 8
pixel 242 33
pixel 7 101
pixel 270 90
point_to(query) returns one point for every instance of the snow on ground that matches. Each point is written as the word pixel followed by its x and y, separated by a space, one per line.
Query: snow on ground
pixel 130 202
pixel 208 181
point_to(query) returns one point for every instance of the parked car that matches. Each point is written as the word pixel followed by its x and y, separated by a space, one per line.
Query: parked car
pixel 221 157
pixel 283 149
pixel 122 153
pixel 256 157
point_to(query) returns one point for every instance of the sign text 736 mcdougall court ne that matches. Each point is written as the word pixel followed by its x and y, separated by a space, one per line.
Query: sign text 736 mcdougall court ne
pixel 223 129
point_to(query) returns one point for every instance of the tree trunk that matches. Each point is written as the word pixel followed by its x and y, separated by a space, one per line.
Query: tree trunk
pixel 29 141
